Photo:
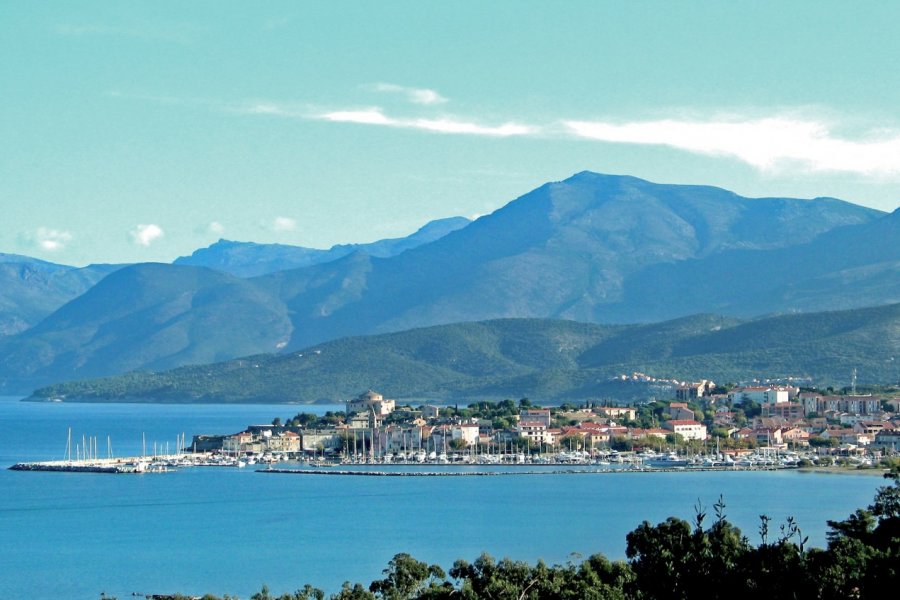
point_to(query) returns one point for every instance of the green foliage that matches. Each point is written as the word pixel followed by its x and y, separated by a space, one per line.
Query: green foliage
pixel 512 357
pixel 354 592
pixel 407 578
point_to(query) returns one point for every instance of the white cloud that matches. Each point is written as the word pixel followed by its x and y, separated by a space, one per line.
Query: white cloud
pixel 51 240
pixel 215 228
pixel 144 235
pixel 369 116
pixel 275 109
pixel 374 116
pixel 415 95
pixel 779 141
pixel 766 143
pixel 284 224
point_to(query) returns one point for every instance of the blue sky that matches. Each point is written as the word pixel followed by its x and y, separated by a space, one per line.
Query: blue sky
pixel 141 131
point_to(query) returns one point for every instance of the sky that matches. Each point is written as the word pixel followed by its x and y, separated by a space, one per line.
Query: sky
pixel 141 131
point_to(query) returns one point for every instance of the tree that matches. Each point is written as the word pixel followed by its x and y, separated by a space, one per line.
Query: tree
pixel 672 560
pixel 354 592
pixel 458 444
pixel 406 578
pixel 487 578
pixel 658 555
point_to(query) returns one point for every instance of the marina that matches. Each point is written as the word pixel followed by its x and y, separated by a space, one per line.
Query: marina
pixel 604 463
pixel 139 534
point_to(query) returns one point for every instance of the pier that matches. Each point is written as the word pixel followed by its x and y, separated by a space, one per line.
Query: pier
pixel 128 464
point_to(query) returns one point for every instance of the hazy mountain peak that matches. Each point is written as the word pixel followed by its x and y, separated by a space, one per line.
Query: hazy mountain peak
pixel 252 259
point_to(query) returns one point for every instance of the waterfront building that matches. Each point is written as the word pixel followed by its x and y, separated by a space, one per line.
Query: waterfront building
pixel 399 438
pixel 243 442
pixel 445 434
pixel 284 441
pixel 688 429
pixel 535 432
pixel 320 439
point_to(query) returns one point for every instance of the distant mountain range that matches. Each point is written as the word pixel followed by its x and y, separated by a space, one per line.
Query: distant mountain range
pixel 31 289
pixel 593 248
pixel 547 360
pixel 249 259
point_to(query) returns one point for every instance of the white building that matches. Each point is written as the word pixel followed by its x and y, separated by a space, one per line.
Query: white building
pixel 689 430
pixel 760 395
pixel 534 431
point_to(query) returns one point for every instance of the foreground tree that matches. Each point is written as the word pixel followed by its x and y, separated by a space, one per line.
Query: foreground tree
pixel 407 578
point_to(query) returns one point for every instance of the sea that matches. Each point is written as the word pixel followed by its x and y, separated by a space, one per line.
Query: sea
pixel 229 531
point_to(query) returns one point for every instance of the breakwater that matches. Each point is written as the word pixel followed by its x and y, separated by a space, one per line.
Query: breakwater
pixel 65 468
pixel 134 464
pixel 367 473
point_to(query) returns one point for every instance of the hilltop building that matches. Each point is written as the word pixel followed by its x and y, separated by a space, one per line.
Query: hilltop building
pixel 693 391
pixel 371 401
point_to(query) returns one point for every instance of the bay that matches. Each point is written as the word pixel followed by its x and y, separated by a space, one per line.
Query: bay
pixel 223 530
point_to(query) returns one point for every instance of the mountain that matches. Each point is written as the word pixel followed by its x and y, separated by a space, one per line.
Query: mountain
pixel 249 259
pixel 593 248
pixel 565 250
pixel 146 316
pixel 843 268
pixel 547 360
pixel 31 289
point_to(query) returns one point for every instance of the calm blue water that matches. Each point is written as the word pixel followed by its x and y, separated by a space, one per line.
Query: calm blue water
pixel 229 531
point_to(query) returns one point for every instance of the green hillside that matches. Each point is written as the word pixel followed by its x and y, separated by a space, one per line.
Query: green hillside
pixel 551 360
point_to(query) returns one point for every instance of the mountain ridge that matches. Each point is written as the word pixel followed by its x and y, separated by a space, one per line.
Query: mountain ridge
pixel 592 248
pixel 252 259
pixel 549 360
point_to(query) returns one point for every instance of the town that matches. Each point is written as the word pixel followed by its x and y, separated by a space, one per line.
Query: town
pixel 704 425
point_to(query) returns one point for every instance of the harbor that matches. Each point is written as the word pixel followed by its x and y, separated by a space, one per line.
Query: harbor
pixel 173 526
pixel 452 465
